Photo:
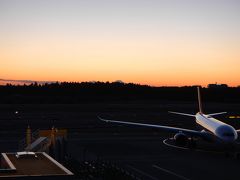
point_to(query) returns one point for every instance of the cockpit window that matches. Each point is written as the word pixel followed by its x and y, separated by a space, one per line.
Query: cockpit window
pixel 228 134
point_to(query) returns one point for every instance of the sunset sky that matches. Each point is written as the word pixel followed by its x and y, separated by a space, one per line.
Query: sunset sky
pixel 155 42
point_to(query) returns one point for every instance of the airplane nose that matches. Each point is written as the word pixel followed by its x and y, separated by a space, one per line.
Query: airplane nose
pixel 227 133
pixel 231 139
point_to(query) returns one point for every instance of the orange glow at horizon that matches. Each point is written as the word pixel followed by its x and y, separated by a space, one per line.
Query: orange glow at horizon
pixel 158 43
pixel 144 61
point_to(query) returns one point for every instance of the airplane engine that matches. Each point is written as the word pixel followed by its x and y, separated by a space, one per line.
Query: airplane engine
pixel 208 137
pixel 181 139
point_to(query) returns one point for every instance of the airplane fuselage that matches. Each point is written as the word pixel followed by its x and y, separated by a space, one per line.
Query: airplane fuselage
pixel 222 131
pixel 213 129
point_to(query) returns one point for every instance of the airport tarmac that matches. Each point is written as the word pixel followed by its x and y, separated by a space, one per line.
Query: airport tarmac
pixel 139 150
pixel 150 159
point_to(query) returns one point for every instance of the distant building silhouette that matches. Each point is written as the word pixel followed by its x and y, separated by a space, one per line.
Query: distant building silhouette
pixel 119 81
pixel 217 86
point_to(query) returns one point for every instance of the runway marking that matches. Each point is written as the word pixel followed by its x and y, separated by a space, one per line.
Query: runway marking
pixel 184 148
pixel 170 145
pixel 170 172
pixel 143 173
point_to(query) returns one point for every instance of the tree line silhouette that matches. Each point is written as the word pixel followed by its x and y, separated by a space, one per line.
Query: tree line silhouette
pixel 100 92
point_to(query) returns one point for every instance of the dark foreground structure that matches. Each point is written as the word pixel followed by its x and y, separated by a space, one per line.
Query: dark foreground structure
pixel 97 150
pixel 37 166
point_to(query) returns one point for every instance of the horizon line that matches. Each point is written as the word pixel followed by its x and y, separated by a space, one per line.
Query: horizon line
pixel 42 82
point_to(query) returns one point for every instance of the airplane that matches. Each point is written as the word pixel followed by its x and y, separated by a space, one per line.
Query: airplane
pixel 213 130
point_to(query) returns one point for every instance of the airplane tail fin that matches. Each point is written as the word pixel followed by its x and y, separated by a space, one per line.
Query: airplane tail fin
pixel 200 105
pixel 199 100
pixel 200 108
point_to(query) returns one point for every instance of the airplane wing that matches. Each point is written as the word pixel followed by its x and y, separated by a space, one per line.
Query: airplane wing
pixel 164 128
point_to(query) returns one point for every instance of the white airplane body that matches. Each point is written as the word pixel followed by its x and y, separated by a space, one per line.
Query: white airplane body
pixel 223 131
pixel 213 129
